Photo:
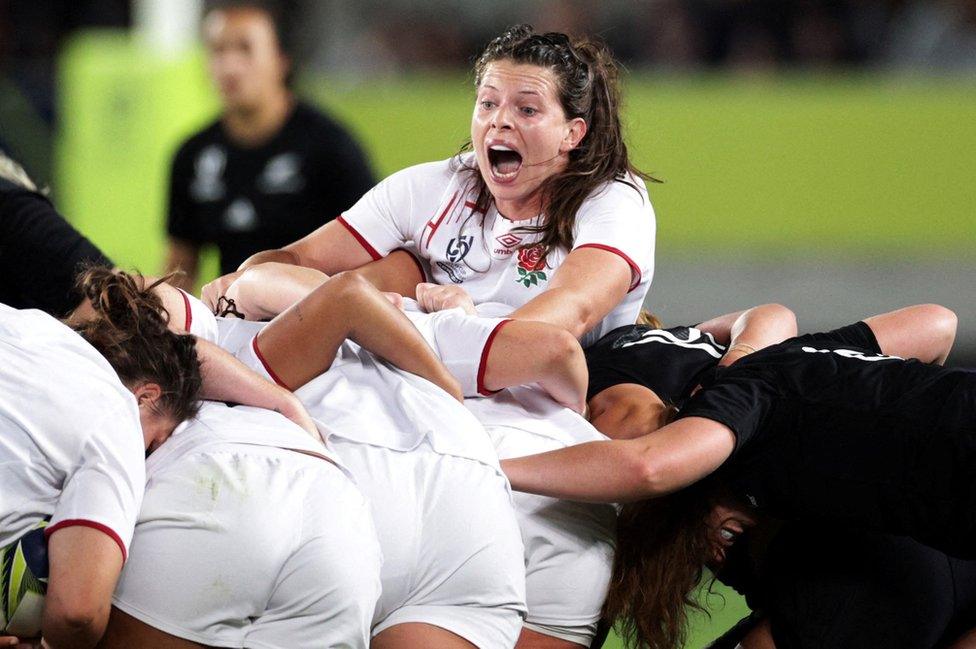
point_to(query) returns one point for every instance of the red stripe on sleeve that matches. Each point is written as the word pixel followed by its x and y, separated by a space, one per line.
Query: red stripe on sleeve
pixel 634 268
pixel 416 260
pixel 361 239
pixel 81 522
pixel 483 365
pixel 267 368
pixel 188 322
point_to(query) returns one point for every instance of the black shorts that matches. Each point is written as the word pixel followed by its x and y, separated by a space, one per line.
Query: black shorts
pixel 849 589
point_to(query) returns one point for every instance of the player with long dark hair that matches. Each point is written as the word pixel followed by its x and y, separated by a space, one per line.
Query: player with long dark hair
pixel 825 428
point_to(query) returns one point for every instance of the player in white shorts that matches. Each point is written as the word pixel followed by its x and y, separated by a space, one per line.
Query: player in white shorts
pixel 569 546
pixel 77 416
pixel 453 571
pixel 546 214
pixel 250 535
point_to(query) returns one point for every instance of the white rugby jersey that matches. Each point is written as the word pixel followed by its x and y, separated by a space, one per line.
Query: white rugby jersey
pixel 430 209
pixel 361 397
pixel 71 445
pixel 218 423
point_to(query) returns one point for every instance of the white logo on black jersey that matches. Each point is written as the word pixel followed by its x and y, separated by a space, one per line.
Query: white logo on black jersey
pixel 850 353
pixel 696 340
pixel 282 175
pixel 207 184
pixel 240 216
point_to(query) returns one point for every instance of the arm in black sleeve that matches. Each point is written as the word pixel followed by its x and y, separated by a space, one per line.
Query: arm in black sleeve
pixel 41 253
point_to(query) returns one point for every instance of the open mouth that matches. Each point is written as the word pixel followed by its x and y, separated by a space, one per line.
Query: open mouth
pixel 505 162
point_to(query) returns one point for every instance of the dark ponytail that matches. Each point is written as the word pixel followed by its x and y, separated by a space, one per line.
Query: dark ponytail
pixel 662 547
pixel 587 78
pixel 130 330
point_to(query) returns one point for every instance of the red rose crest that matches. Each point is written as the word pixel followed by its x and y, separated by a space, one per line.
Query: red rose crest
pixel 530 266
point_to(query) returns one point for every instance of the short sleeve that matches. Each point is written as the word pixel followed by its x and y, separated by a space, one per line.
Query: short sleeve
pixel 104 491
pixel 390 214
pixel 736 400
pixel 180 221
pixel 857 335
pixel 200 321
pixel 620 219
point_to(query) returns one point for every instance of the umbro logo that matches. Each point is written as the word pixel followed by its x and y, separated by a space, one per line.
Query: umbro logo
pixel 509 240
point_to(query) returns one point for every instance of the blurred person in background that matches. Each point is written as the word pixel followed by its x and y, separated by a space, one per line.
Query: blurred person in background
pixel 271 168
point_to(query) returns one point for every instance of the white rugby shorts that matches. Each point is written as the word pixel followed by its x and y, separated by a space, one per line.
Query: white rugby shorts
pixel 242 545
pixel 452 554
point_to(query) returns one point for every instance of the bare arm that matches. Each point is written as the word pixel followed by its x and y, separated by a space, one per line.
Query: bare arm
pixel 585 288
pixel 923 331
pixel 227 379
pixel 84 568
pixel 535 352
pixel 302 342
pixel 662 462
pixel 756 328
pixel 183 256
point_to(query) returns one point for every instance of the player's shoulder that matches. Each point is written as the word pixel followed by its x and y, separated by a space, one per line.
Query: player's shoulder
pixel 316 125
pixel 210 133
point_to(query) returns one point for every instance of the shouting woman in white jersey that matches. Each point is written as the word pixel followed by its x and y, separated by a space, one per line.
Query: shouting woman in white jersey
pixel 542 218
pixel 78 415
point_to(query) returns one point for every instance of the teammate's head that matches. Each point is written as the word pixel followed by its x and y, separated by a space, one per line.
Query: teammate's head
pixel 663 546
pixel 555 101
pixel 129 329
pixel 248 62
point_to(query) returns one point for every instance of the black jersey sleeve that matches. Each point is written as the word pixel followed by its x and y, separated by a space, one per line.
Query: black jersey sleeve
pixel 40 253
pixel 181 221
pixel 857 335
pixel 738 398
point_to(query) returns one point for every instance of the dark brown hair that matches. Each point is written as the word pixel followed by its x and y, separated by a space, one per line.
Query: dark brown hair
pixel 130 331
pixel 662 548
pixel 586 76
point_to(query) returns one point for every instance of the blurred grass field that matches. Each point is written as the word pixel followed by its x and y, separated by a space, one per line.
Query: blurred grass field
pixel 837 167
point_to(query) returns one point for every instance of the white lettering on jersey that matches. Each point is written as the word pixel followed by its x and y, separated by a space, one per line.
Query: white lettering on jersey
pixel 240 216
pixel 850 353
pixel 696 340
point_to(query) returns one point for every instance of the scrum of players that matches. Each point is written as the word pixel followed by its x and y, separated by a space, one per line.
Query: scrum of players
pixel 415 427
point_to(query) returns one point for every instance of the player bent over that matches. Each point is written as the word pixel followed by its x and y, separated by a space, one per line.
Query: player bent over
pixel 250 535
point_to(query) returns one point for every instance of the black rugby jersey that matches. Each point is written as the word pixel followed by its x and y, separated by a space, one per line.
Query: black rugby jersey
pixel 40 253
pixel 671 362
pixel 248 199
pixel 830 430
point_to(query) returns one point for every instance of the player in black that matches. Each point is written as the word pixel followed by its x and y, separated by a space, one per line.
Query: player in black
pixel 40 253
pixel 271 169
pixel 786 397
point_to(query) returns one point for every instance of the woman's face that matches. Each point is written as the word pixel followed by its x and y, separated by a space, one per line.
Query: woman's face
pixel 520 134
pixel 726 522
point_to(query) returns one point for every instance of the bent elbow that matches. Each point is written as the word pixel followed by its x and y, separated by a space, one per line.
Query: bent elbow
pixel 784 317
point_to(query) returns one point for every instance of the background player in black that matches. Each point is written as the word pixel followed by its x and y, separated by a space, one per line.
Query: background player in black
pixel 641 354
pixel 40 253
pixel 270 169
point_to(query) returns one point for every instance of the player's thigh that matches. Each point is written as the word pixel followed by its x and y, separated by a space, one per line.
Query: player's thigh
pixel 326 591
pixel 126 632
pixel 530 639
pixel 413 635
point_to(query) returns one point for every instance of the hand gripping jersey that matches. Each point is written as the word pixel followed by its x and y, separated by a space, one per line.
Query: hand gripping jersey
pixel 71 445
pixel 835 431
pixel 432 207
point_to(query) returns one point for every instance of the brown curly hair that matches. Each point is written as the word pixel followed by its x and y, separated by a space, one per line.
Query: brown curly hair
pixel 130 331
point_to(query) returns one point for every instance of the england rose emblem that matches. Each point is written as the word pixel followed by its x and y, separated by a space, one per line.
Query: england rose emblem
pixel 530 266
